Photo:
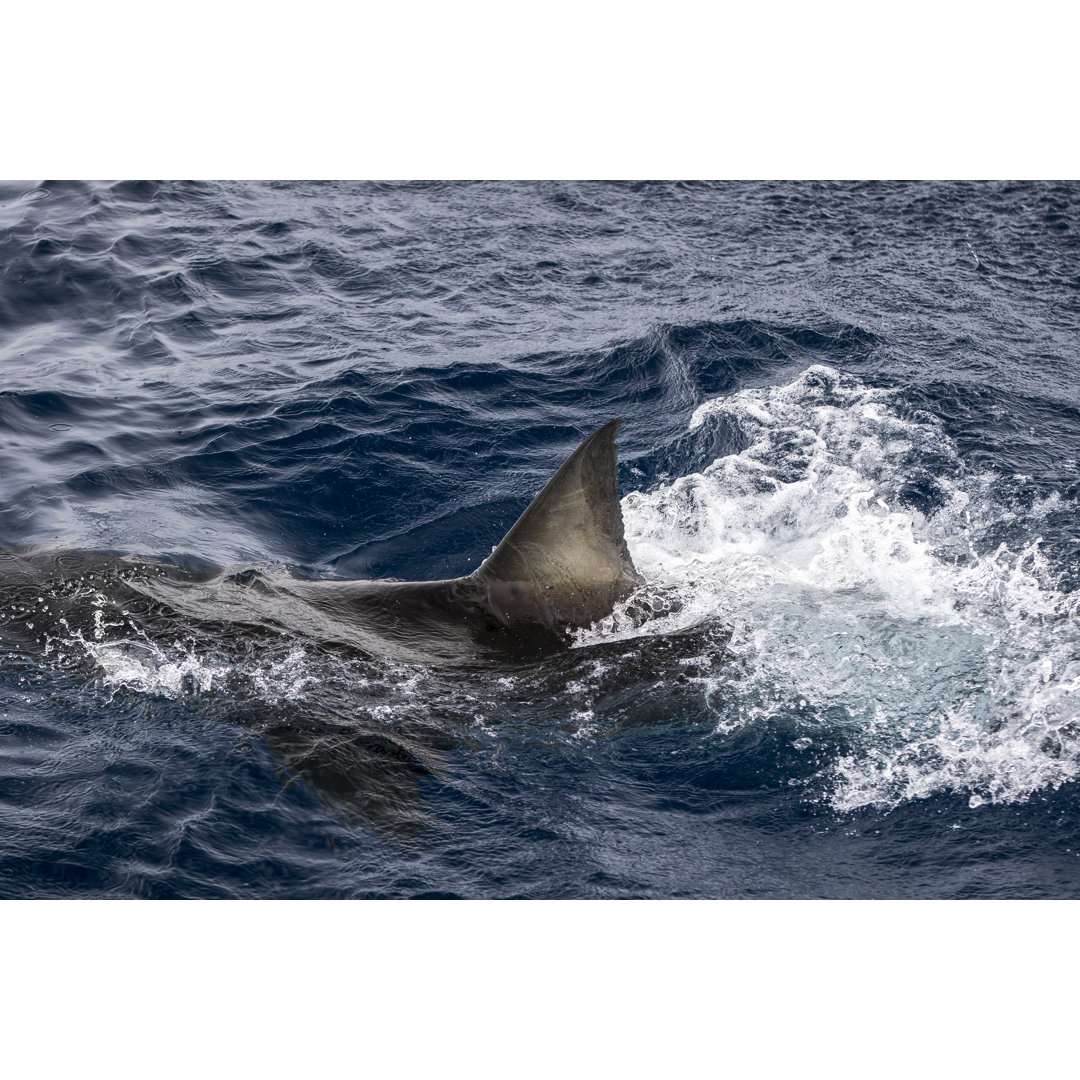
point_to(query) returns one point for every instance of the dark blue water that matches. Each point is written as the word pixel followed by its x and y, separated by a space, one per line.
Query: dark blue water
pixel 849 467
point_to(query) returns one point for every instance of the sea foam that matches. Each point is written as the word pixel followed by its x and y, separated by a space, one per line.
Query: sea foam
pixel 884 627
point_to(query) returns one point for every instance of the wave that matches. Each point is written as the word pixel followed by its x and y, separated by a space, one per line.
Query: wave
pixel 877 617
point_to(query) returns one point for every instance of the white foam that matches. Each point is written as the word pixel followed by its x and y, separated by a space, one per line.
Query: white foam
pixel 136 666
pixel 939 665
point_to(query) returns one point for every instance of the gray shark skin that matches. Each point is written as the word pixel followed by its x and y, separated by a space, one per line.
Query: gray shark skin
pixel 563 564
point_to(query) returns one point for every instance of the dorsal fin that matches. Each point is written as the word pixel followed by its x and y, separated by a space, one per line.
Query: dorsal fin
pixel 569 544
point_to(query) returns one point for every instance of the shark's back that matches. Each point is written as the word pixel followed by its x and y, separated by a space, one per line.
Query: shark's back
pixel 563 564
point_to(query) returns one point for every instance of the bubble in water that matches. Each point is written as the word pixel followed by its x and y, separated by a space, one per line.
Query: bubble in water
pixel 939 664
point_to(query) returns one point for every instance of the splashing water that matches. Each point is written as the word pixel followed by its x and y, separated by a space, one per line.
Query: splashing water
pixel 858 622
pixel 896 643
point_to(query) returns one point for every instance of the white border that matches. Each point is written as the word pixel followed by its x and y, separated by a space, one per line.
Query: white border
pixel 576 89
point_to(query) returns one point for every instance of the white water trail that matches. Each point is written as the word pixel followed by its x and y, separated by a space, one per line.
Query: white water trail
pixel 931 663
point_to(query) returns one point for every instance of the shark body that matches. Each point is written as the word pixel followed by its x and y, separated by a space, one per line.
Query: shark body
pixel 563 564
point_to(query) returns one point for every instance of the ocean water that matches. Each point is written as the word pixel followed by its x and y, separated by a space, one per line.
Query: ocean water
pixel 851 426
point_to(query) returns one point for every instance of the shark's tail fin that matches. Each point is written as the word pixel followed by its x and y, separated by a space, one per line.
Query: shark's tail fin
pixel 567 553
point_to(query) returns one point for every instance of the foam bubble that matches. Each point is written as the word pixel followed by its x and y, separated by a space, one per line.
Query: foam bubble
pixel 150 669
pixel 930 663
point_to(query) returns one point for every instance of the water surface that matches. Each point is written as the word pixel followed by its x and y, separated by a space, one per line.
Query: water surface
pixel 849 477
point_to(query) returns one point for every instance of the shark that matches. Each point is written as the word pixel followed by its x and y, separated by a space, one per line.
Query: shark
pixel 564 564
